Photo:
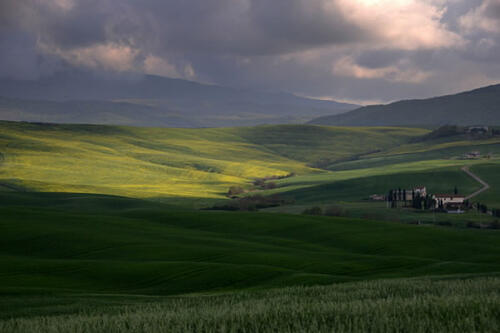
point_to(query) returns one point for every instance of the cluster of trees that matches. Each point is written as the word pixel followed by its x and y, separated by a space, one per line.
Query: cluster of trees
pixel 453 131
pixel 398 195
pixel 427 202
pixel 481 208
pixel 417 201
pixel 265 184
pixel 235 190
pixel 251 203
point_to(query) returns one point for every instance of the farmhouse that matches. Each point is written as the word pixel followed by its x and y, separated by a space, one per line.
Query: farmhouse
pixel 478 129
pixel 472 155
pixel 448 200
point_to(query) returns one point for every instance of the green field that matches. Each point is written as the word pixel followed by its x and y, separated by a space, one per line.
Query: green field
pixel 76 243
pixel 97 258
pixel 100 231
pixel 416 305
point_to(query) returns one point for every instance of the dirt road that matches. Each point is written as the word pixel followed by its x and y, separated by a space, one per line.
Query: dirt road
pixel 485 187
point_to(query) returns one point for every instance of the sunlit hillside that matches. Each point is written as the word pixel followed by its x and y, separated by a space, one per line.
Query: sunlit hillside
pixel 154 162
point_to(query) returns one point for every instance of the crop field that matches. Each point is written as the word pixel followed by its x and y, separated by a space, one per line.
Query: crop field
pixel 416 305
pixel 148 163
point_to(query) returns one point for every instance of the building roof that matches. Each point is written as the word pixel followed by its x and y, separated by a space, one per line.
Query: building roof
pixel 449 196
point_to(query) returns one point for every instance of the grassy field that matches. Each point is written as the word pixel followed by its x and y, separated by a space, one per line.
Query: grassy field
pixel 171 163
pixel 196 167
pixel 410 305
pixel 88 244
pixel 489 173
pixel 92 263
pixel 76 257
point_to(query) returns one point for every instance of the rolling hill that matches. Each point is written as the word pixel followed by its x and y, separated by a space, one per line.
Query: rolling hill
pixel 79 97
pixel 480 106
pixel 75 258
pixel 168 162
pixel 87 244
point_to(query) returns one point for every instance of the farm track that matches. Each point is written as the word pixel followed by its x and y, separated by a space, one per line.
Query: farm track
pixel 485 187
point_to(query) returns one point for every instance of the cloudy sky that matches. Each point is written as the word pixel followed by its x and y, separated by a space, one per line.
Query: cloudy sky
pixel 351 50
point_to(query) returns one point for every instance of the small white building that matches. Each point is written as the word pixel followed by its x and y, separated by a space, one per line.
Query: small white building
pixel 448 199
pixel 377 197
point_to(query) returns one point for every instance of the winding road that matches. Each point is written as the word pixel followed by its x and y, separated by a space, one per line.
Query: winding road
pixel 485 187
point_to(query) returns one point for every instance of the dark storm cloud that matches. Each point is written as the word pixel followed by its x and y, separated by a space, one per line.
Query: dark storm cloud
pixel 219 26
pixel 334 48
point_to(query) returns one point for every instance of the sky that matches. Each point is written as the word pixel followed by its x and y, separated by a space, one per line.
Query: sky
pixel 362 51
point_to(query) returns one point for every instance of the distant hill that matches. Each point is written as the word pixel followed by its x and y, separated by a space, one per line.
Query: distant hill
pixel 91 112
pixel 153 100
pixel 480 106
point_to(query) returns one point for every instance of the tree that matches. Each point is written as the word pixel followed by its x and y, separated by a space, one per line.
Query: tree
pixel 455 190
pixel 313 211
pixel 235 190
pixel 335 211
pixel 484 209
pixel 270 185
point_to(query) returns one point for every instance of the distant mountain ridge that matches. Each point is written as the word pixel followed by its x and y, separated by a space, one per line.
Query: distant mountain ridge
pixel 479 106
pixel 142 100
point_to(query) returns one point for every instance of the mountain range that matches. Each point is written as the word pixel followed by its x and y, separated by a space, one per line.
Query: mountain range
pixel 480 106
pixel 148 100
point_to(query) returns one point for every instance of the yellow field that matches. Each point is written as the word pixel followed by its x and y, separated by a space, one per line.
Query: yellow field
pixel 154 162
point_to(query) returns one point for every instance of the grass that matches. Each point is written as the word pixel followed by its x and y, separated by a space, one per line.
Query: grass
pixel 170 163
pixel 489 173
pixel 416 305
pixel 452 150
pixel 115 246
pixel 97 262
pixel 196 167
pixel 439 180
pixel 379 211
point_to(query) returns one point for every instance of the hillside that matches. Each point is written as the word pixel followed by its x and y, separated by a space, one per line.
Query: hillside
pixel 91 112
pixel 480 106
pixel 147 100
pixel 167 162
pixel 85 244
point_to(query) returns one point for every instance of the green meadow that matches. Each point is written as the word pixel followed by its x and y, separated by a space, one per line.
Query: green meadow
pixel 102 231
pixel 93 263
pixel 172 163
pixel 413 305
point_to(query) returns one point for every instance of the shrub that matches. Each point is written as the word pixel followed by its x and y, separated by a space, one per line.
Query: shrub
pixel 335 211
pixel 445 223
pixel 495 225
pixel 473 225
pixel 251 203
pixel 259 182
pixel 235 190
pixel 313 211
pixel 270 185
